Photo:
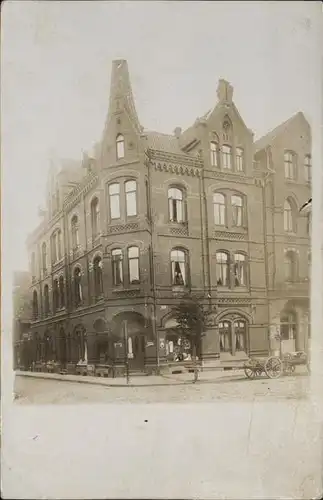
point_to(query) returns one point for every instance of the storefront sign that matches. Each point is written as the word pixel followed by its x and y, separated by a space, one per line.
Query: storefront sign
pixel 149 344
pixel 118 344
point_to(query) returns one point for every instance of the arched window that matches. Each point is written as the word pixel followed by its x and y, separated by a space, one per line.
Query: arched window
pixel 225 336
pixel 233 335
pixel 75 233
pixel 117 270
pixel 120 146
pixel 288 325
pixel 98 278
pixel 46 300
pixel 214 154
pixel 114 201
pixel 133 263
pixel 55 296
pixel 54 247
pixel 290 160
pixel 219 209
pixel 240 270
pixel 290 262
pixel 95 217
pixel 308 168
pixel 35 305
pixel 222 269
pixel 239 160
pixel 131 198
pixel 44 257
pixel 226 156
pixel 289 217
pixel 175 205
pixel 61 291
pixel 77 286
pixel 59 244
pixel 237 211
pixel 33 266
pixel 179 267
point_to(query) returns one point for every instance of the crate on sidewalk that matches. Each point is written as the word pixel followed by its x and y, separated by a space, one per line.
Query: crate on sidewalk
pixel 103 370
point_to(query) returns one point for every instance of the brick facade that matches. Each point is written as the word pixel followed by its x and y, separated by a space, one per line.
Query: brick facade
pixel 181 231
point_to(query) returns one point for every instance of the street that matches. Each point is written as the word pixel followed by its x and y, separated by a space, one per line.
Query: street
pixel 30 390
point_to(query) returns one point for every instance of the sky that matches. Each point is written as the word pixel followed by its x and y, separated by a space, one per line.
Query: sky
pixel 55 76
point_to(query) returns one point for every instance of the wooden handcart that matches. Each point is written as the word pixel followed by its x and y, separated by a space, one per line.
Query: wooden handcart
pixel 275 366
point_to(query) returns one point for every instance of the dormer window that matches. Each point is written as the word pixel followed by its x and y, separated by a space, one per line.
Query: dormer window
pixel 120 146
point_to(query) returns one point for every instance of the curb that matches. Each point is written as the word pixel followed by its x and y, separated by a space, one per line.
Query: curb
pixel 105 383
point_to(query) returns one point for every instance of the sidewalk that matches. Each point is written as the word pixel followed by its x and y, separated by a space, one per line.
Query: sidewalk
pixel 140 381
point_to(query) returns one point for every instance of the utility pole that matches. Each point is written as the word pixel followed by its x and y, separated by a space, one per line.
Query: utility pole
pixel 125 331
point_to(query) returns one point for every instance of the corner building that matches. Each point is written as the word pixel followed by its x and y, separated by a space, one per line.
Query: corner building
pixel 147 218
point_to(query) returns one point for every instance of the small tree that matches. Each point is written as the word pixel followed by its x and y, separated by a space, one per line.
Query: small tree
pixel 191 318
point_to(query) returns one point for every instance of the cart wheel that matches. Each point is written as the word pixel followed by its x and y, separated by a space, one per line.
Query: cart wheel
pixel 249 372
pixel 273 367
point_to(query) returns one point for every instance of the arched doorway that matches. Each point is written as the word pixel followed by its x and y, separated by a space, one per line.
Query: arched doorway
pixel 233 335
pixel 62 342
pixel 132 330
pixel 103 344
pixel 288 329
pixel 176 346
pixel 80 345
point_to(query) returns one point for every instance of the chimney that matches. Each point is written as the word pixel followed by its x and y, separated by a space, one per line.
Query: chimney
pixel 225 91
pixel 177 132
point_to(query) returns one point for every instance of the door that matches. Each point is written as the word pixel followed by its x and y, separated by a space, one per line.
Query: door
pixel 136 352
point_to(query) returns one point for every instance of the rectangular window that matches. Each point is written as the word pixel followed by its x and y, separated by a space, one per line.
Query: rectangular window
pixel 237 211
pixel 131 198
pixel 117 267
pixel 240 278
pixel 225 336
pixel 133 261
pixel 114 195
pixel 239 160
pixel 54 248
pixel 308 168
pixel 290 165
pixel 226 157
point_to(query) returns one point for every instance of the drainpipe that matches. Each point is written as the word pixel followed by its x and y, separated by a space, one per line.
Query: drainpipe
pixel 202 230
pixel 152 264
pixel 264 208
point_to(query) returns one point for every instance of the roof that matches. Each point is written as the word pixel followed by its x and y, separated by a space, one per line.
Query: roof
pixel 267 139
pixel 161 142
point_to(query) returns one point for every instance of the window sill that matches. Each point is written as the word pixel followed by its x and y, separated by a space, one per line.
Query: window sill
pixel 179 288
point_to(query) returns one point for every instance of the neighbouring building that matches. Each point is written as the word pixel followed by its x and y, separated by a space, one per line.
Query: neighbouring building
pixel 149 217
pixel 286 151
pixel 22 316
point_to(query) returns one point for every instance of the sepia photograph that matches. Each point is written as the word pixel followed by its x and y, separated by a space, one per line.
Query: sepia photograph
pixel 158 164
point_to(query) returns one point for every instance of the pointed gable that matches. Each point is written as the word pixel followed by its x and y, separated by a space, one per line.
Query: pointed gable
pixel 121 97
pixel 269 138
pixel 122 130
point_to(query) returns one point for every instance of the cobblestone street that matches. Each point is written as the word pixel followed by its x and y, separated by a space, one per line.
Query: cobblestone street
pixel 173 389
